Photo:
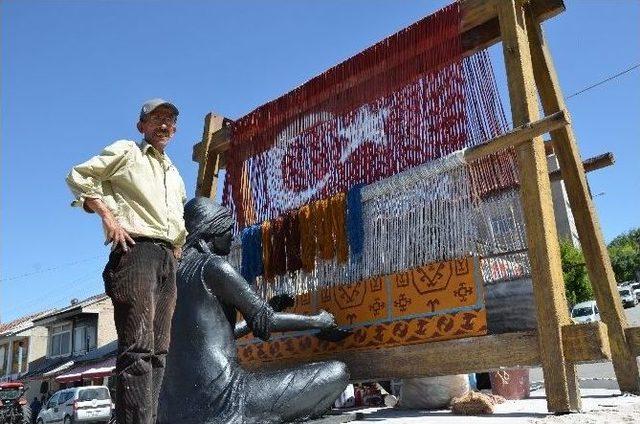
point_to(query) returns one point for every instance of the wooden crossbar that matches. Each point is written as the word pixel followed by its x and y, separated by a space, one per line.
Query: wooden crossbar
pixel 584 343
pixel 519 135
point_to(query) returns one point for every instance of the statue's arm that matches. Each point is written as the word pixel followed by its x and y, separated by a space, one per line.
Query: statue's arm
pixel 230 287
pixel 291 322
pixel 296 322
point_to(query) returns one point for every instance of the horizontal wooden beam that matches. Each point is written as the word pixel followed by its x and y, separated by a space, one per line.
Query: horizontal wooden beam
pixel 475 354
pixel 592 164
pixel 220 139
pixel 437 358
pixel 518 135
pixel 479 12
pixel 586 342
pixel 480 27
pixel 212 141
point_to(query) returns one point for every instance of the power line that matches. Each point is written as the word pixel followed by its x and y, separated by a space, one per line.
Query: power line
pixel 92 288
pixel 55 268
pixel 45 296
pixel 604 80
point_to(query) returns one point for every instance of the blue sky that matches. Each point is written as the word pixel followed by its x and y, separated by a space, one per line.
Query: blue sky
pixel 74 75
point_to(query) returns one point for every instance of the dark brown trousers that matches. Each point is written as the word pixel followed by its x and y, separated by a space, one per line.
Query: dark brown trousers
pixel 142 286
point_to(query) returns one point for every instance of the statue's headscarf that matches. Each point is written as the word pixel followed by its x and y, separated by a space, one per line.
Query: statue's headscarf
pixel 204 216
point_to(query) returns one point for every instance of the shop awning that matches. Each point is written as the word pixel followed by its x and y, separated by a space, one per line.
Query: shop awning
pixel 58 369
pixel 87 371
pixel 43 368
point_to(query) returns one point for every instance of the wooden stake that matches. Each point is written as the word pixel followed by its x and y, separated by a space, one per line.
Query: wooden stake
pixel 595 252
pixel 542 238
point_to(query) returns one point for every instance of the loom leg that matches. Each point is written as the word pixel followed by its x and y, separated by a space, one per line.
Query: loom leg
pixel 586 219
pixel 542 238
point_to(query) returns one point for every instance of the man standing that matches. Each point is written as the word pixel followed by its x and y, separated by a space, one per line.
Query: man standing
pixel 139 195
pixel 35 406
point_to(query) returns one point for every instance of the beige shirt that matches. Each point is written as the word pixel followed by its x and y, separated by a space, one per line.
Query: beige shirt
pixel 140 186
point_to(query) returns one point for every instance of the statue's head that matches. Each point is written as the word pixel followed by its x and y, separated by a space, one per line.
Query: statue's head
pixel 210 223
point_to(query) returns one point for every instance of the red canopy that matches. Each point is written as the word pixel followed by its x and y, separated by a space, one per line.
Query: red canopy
pixel 87 371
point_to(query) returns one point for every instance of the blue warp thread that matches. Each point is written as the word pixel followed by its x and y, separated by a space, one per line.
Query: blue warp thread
pixel 245 264
pixel 251 265
pixel 355 226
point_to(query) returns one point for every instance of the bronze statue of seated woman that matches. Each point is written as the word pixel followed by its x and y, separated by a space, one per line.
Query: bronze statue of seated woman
pixel 204 382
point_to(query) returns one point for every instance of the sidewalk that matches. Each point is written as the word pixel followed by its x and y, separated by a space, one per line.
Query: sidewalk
pixel 599 406
pixel 590 376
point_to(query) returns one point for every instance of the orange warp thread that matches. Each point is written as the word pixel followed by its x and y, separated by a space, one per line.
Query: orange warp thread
pixel 307 237
pixel 326 245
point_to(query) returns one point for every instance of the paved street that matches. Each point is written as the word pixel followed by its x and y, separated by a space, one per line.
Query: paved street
pixel 633 315
pixel 599 406
pixel 596 375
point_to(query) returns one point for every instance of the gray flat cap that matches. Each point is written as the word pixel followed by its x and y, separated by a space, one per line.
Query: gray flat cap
pixel 150 105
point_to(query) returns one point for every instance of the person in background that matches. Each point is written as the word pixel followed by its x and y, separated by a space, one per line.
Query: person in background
pixel 35 406
pixel 139 195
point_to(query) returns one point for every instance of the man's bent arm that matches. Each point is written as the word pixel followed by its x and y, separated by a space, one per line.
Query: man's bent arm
pixel 85 180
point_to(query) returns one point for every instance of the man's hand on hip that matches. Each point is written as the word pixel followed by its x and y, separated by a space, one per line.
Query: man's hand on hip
pixel 177 252
pixel 115 233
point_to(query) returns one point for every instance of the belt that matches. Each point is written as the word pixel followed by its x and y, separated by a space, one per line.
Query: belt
pixel 159 242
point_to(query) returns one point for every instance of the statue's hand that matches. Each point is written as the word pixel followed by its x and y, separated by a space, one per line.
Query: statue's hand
pixel 280 302
pixel 325 319
pixel 329 330
pixel 333 334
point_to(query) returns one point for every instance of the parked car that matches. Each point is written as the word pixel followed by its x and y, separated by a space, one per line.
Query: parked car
pixel 585 312
pixel 89 404
pixel 635 287
pixel 629 300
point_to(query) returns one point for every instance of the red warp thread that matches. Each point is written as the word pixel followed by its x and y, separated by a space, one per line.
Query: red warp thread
pixel 406 100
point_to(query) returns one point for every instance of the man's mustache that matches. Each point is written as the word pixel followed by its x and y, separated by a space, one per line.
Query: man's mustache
pixel 162 131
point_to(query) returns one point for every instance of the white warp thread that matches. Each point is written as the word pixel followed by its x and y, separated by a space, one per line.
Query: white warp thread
pixel 426 214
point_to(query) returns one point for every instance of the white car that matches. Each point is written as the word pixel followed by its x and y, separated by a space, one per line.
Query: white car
pixel 585 312
pixel 636 289
pixel 89 404
pixel 629 299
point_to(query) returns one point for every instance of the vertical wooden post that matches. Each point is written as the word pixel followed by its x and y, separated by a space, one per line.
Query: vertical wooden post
pixel 551 305
pixel 595 252
pixel 206 184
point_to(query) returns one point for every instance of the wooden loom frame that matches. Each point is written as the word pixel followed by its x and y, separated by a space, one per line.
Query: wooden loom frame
pixel 557 345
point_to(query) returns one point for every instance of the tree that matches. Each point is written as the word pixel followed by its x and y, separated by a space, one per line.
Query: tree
pixel 574 271
pixel 624 251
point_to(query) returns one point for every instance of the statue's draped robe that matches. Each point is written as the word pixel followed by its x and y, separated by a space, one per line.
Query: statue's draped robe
pixel 203 381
